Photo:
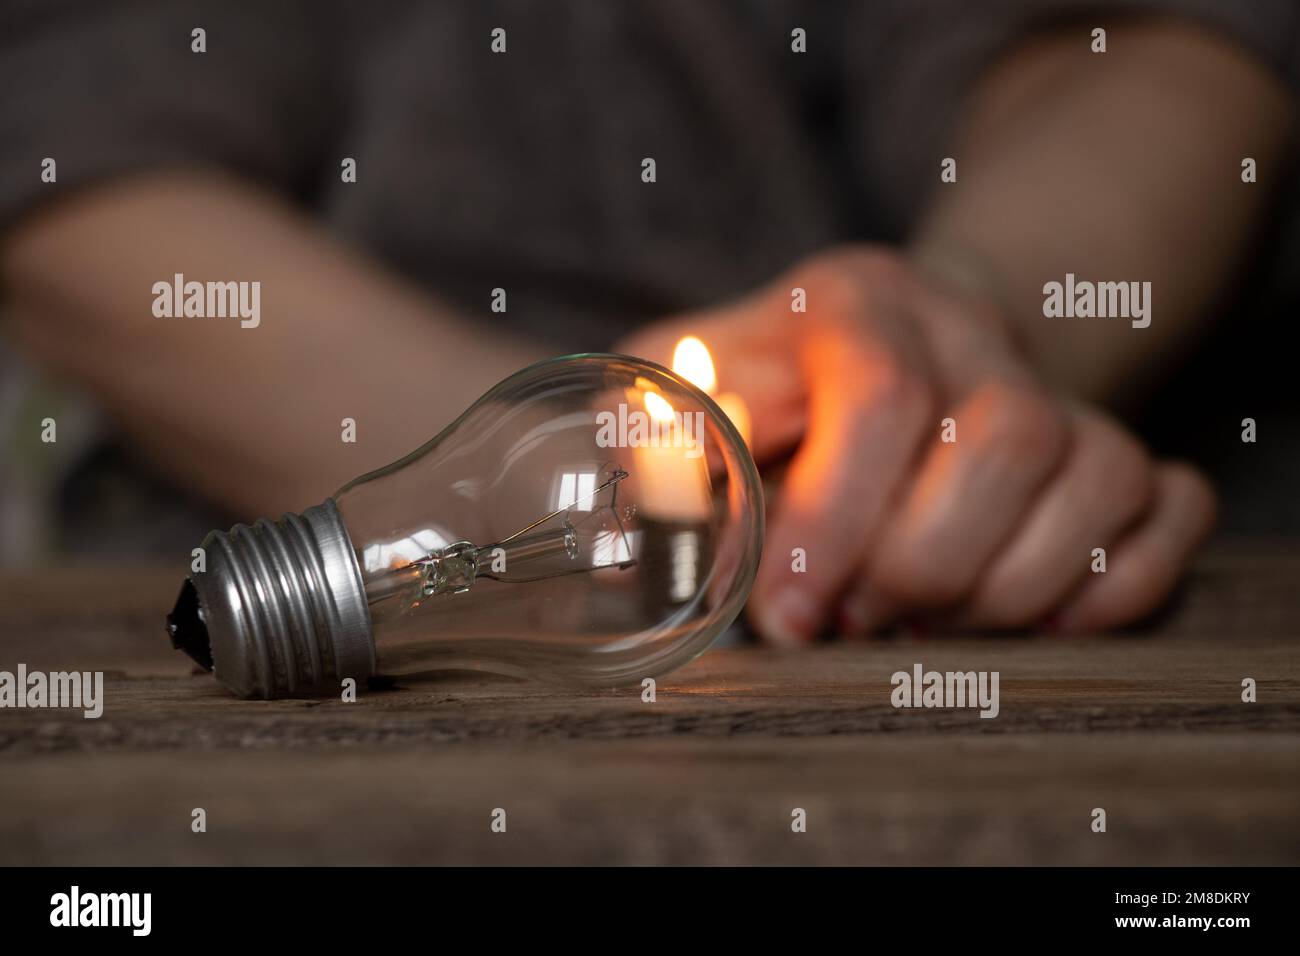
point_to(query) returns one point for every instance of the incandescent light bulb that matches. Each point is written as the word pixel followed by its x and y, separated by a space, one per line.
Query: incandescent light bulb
pixel 593 519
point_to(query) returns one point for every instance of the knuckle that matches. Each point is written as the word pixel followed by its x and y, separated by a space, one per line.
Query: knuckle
pixel 1131 478
pixel 888 383
pixel 1193 490
pixel 862 259
pixel 834 289
pixel 1018 423
pixel 878 266
pixel 847 278
pixel 1122 466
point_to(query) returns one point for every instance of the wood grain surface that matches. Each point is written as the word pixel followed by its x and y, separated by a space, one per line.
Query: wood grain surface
pixel 1148 725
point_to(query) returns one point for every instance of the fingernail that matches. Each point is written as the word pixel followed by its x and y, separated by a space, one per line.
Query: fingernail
pixel 790 618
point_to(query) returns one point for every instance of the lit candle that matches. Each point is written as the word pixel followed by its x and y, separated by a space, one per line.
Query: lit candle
pixel 692 361
pixel 676 493
pixel 673 473
pixel 671 468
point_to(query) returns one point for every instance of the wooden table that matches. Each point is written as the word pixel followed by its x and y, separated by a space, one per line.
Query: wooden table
pixel 1151 727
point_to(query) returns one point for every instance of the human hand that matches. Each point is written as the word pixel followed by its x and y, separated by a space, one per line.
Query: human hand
pixel 994 529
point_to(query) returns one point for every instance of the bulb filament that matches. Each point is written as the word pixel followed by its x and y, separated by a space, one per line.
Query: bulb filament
pixel 455 568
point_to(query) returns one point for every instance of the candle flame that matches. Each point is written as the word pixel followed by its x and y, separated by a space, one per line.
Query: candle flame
pixel 691 360
pixel 658 407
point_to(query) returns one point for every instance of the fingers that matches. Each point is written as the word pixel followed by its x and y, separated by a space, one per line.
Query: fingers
pixel 965 501
pixel 1143 568
pixel 1105 484
pixel 870 404
pixel 879 516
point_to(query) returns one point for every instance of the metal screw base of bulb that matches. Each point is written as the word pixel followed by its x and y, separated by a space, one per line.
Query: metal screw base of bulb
pixel 280 609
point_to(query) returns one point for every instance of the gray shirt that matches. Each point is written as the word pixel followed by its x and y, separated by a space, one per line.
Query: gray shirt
pixel 522 170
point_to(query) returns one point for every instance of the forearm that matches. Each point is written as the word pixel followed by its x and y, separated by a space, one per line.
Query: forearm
pixel 1123 166
pixel 250 417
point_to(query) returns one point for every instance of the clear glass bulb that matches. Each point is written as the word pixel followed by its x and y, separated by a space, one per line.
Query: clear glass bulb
pixel 592 519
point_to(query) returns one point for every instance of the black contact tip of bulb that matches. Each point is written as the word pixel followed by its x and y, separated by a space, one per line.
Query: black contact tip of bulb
pixel 186 628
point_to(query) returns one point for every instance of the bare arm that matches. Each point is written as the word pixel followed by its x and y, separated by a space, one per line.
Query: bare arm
pixel 249 416
pixel 1118 166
